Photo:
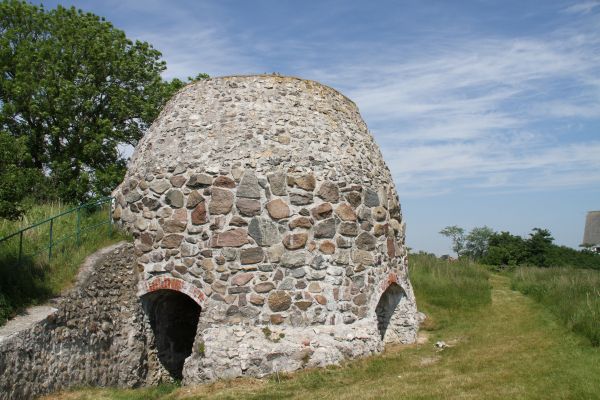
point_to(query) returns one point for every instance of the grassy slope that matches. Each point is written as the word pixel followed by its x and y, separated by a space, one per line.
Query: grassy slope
pixel 36 280
pixel 512 348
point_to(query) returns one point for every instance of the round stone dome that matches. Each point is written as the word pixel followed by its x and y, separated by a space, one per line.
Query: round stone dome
pixel 266 201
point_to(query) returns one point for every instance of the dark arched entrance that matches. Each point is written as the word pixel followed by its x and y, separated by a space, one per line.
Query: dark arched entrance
pixel 174 319
pixel 386 306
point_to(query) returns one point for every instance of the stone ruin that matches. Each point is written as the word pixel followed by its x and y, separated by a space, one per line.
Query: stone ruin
pixel 268 237
pixel 268 230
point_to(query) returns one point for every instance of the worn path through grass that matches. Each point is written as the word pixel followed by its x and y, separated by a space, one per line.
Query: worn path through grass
pixel 513 348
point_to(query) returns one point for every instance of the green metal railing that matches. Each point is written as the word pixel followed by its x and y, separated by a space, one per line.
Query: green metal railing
pixel 78 230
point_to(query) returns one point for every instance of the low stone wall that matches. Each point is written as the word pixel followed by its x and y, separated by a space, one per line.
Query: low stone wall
pixel 97 336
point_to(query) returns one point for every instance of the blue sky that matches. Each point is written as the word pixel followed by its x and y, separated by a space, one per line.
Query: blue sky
pixel 487 112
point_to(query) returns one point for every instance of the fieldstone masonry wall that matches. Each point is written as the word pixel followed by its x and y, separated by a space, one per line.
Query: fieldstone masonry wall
pixel 267 201
pixel 97 336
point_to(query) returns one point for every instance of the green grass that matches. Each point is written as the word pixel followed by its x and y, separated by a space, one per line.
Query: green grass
pixel 573 295
pixel 449 288
pixel 38 278
pixel 503 345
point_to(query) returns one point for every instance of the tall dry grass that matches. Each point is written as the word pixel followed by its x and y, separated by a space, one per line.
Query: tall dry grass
pixel 573 295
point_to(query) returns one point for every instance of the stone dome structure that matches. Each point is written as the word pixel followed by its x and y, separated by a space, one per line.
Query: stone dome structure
pixel 268 230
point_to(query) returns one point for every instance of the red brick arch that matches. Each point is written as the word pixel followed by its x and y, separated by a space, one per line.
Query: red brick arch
pixel 391 278
pixel 164 282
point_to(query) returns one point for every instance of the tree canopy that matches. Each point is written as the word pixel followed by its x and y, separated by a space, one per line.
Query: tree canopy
pixel 457 235
pixel 73 88
pixel 505 249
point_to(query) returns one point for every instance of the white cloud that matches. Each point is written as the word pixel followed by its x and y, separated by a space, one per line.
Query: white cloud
pixel 583 7
pixel 454 113
pixel 483 113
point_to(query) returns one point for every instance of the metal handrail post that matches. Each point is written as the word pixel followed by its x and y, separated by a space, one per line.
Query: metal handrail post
pixel 20 248
pixel 78 225
pixel 110 218
pixel 50 247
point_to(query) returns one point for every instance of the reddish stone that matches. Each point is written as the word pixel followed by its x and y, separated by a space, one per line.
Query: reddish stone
pixel 329 191
pixel 193 199
pixel 264 287
pixel 360 300
pixel 276 319
pixel 177 181
pixel 238 221
pixel 322 300
pixel 306 182
pixel 354 198
pixel 314 287
pixel 303 304
pixel 173 226
pixel 248 207
pixel 295 241
pixel 365 241
pixel 300 222
pixel 391 248
pixel 253 255
pixel 232 238
pixel 219 287
pixel 345 212
pixel 181 269
pixel 224 181
pixel 256 299
pixel 147 239
pixel 221 201
pixel 180 215
pixel 279 301
pixel 142 248
pixel 171 241
pixel 322 211
pixel 199 216
pixel 242 279
pixel 278 209
pixel 380 229
pixel 327 247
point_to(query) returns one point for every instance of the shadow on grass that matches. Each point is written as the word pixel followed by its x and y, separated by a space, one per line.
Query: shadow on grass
pixel 22 284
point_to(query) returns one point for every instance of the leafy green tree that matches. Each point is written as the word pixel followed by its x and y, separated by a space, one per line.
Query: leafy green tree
pixel 477 241
pixel 539 246
pixel 18 179
pixel 505 249
pixel 457 235
pixel 73 88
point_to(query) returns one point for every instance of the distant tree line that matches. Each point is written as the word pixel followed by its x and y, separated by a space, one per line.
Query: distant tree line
pixel 73 91
pixel 484 245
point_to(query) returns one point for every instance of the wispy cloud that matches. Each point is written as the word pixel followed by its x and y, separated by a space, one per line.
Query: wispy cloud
pixel 583 7
pixel 455 112
pixel 484 113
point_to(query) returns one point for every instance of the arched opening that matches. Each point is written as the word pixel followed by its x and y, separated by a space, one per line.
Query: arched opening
pixel 386 307
pixel 174 320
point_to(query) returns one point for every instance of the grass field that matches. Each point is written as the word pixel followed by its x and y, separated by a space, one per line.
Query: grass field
pixel 502 345
pixel 573 295
pixel 37 277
